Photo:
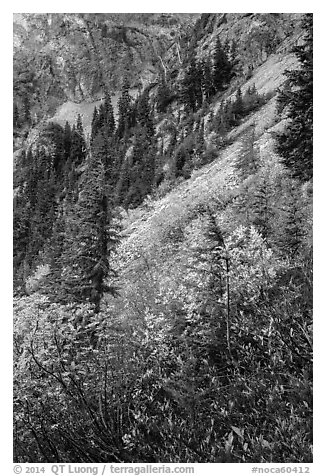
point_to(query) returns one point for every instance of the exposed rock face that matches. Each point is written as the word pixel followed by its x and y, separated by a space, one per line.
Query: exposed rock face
pixel 79 57
pixel 256 35
pixel 84 54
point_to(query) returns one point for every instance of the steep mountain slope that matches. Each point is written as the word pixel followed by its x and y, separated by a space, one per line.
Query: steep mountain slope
pixel 79 56
pixel 162 248
pixel 212 181
pixel 267 79
pixel 150 230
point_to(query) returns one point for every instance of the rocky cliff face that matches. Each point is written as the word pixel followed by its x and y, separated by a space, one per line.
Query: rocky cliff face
pixel 78 57
pixel 256 35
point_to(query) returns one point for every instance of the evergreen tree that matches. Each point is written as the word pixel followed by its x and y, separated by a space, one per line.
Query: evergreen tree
pixel 232 54
pixel 140 178
pixel 79 125
pixel 222 68
pixel 172 143
pixel 123 182
pixel 262 208
pixel 103 119
pixel 290 228
pixel 104 148
pixel 90 237
pixel 109 122
pixel 208 88
pixel 191 94
pixel 247 162
pixel 101 116
pixel 67 141
pixel 31 178
pixel 284 97
pixel 223 120
pixel 200 139
pixel 78 144
pixel 238 107
pixel 52 138
pixel 70 181
pixel 163 96
pixel 21 236
pixel 143 114
pixel 226 46
pixel 26 112
pixel 210 121
pixel 181 157
pixel 124 110
pixel 188 127
pixel 99 147
pixel 55 134
pixel 95 124
pixel 214 310
pixel 44 205
pixel 251 99
pixel 52 285
pixel 149 168
pixel 295 144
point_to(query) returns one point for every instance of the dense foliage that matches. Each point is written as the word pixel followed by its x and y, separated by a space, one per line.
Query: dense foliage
pixel 295 144
pixel 201 381
pixel 163 313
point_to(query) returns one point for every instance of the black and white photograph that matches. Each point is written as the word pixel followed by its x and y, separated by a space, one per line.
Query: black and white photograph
pixel 162 240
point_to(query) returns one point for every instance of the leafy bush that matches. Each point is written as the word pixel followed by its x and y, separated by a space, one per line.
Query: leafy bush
pixel 163 383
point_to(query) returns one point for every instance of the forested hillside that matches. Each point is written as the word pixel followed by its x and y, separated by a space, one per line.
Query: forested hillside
pixel 163 237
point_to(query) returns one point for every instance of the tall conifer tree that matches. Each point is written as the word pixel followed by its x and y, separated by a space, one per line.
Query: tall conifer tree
pixel 109 116
pixel 124 108
pixel 67 140
pixel 247 162
pixel 295 144
pixel 90 238
pixel 78 144
pixel 222 68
